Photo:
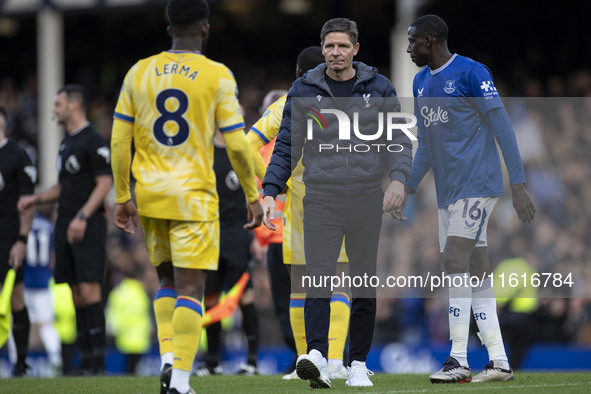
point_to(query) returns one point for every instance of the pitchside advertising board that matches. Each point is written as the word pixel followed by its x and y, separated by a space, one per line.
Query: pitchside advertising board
pixel 394 357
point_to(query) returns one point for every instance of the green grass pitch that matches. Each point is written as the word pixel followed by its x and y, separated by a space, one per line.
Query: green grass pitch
pixel 524 383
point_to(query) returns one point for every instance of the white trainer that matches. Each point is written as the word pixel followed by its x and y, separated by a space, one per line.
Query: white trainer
pixel 247 369
pixel 358 375
pixel 204 370
pixel 314 367
pixel 291 376
pixel 336 369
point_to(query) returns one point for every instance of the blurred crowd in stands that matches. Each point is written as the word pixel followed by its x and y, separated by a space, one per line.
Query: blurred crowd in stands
pixel 552 120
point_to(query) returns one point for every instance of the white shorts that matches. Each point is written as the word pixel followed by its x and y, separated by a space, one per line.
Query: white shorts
pixel 466 218
pixel 40 305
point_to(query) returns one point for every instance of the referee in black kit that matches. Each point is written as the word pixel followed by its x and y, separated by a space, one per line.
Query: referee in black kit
pixel 84 181
pixel 17 179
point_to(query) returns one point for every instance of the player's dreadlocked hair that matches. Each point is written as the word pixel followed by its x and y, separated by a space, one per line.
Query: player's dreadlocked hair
pixel 185 13
pixel 431 25
pixel 310 58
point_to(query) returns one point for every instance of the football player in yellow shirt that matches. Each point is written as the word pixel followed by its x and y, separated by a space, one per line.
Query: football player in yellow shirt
pixel 170 105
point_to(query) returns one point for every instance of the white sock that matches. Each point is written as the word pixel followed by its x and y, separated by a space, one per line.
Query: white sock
pixel 460 295
pixel 335 363
pixel 51 341
pixel 179 380
pixel 484 307
pixel 166 358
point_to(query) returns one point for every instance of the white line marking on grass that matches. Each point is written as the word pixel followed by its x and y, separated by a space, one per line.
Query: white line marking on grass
pixel 476 386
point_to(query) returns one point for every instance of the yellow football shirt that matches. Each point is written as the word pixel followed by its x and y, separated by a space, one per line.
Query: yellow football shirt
pixel 261 133
pixel 174 100
pixel 266 129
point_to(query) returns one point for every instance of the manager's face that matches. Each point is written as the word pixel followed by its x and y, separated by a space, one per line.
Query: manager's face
pixel 338 51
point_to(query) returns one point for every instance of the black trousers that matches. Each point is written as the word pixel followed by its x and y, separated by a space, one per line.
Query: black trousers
pixel 327 219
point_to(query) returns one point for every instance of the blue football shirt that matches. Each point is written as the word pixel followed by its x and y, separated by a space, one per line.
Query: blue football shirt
pixel 39 246
pixel 454 140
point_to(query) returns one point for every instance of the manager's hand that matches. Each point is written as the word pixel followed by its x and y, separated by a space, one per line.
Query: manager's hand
pixel 395 199
pixel 269 212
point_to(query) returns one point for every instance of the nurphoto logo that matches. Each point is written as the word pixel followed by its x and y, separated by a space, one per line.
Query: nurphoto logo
pixel 387 122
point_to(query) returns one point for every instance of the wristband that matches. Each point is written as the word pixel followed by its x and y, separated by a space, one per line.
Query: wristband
pixel 81 215
pixel 23 238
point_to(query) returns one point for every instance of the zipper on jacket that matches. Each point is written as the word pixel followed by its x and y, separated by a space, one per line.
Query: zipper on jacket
pixel 347 173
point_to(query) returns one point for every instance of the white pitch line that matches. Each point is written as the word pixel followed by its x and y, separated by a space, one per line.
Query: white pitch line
pixel 475 387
